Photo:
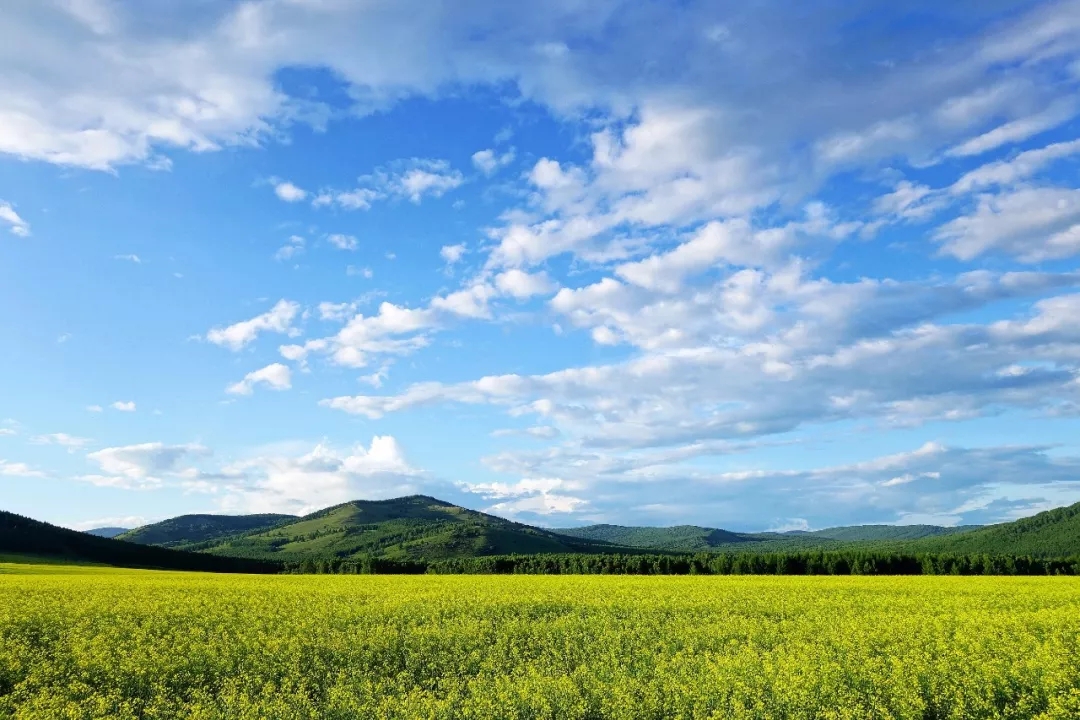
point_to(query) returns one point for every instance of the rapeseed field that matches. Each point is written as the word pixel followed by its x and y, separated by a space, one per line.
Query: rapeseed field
pixel 102 643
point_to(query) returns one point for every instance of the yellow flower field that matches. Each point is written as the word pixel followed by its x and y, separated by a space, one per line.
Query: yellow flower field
pixel 102 643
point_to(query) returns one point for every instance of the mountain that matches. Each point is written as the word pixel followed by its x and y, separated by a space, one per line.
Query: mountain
pixel 692 538
pixel 858 533
pixel 1054 533
pixel 424 528
pixel 25 537
pixel 107 532
pixel 186 530
pixel 405 528
pixel 681 538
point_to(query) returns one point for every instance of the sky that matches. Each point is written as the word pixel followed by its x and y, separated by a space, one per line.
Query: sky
pixel 759 266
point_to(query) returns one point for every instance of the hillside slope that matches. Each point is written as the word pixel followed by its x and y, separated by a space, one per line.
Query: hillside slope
pixel 680 538
pixel 878 533
pixel 412 527
pixel 1054 533
pixel 187 530
pixel 24 536
pixel 107 532
pixel 692 538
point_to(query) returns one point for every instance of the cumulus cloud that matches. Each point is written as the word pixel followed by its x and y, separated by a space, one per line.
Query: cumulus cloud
pixel 15 223
pixel 141 466
pixel 278 320
pixel 452 254
pixel 123 405
pixel 288 192
pixel 323 476
pixel 522 285
pixel 343 242
pixel 489 161
pixel 274 376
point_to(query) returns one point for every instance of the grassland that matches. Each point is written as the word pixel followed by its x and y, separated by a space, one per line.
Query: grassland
pixel 105 643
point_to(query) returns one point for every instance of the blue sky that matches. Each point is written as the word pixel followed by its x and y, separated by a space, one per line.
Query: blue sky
pixel 747 266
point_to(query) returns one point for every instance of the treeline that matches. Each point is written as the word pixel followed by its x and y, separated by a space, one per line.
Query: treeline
pixel 780 563
pixel 25 536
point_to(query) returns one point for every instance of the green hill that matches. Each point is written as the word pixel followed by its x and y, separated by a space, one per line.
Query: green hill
pixel 107 532
pixel 692 538
pixel 1054 533
pixel 415 527
pixel 875 533
pixel 21 536
pixel 187 530
pixel 681 538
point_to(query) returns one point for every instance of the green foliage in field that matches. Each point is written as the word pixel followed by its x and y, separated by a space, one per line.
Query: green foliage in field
pixel 186 530
pixel 128 644
pixel 404 528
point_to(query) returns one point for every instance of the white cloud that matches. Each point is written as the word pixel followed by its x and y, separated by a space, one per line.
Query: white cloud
pixel 489 161
pixel 1021 167
pixel 343 242
pixel 274 376
pixel 278 319
pixel 18 469
pixel 70 442
pixel 522 285
pixel 1017 130
pixel 471 302
pixel 15 223
pixel 141 466
pixel 434 178
pixel 7 432
pixel 909 201
pixel 452 254
pixel 122 521
pixel 124 405
pixel 129 258
pixel 288 192
pixel 336 312
pixel 94 408
pixel 290 249
pixel 1031 224
pixel 411 179
pixel 323 476
pixel 395 330
pixel 365 273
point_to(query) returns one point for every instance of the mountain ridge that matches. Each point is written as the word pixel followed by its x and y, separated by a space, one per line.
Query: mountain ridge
pixel 423 527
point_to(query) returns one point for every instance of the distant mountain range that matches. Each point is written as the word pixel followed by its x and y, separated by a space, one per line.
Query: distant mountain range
pixel 692 538
pixel 107 532
pixel 425 528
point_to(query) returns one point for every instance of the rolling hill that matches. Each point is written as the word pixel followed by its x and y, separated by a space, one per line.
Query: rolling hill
pixel 414 527
pixel 424 528
pixel 25 537
pixel 692 538
pixel 187 530
pixel 1053 533
pixel 107 532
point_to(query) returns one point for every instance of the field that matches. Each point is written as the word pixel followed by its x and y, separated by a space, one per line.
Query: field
pixel 91 642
